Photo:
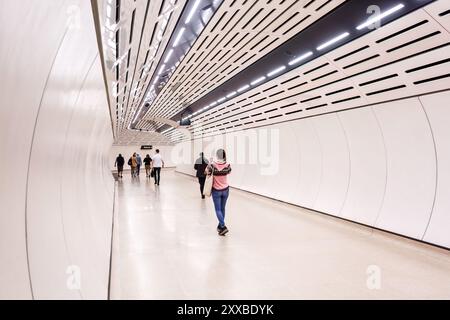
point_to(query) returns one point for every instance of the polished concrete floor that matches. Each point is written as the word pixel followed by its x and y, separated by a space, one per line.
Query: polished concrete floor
pixel 166 247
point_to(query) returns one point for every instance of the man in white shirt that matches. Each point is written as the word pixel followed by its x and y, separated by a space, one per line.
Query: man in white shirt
pixel 158 163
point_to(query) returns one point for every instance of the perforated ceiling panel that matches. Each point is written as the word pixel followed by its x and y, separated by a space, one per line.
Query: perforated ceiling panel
pixel 134 35
pixel 130 137
pixel 240 33
pixel 407 57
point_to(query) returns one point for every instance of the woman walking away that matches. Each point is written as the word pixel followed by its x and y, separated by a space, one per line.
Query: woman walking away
pixel 220 190
pixel 148 167
pixel 120 161
pixel 200 166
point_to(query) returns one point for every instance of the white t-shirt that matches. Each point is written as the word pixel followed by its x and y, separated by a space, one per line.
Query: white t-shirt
pixel 157 160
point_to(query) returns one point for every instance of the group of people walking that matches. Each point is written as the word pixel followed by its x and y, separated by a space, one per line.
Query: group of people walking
pixel 152 165
pixel 216 170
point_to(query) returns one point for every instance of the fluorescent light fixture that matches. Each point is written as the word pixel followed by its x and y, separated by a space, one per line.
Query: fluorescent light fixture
pixel 221 100
pixel 381 16
pixel 333 41
pixel 108 11
pixel 161 69
pixel 277 70
pixel 258 80
pixel 231 94
pixel 243 88
pixel 169 54
pixel 193 10
pixel 302 57
pixel 167 130
pixel 178 38
pixel 212 104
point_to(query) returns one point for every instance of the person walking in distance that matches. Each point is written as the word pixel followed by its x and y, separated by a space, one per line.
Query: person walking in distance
pixel 220 190
pixel 133 164
pixel 148 167
pixel 139 164
pixel 120 161
pixel 200 166
pixel 158 163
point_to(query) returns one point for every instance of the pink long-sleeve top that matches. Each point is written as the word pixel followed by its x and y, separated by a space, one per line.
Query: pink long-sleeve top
pixel 221 171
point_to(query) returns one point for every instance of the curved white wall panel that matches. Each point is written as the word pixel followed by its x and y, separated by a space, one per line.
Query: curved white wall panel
pixel 238 164
pixel 368 165
pixel 437 109
pixel 56 130
pixel 309 183
pixel 335 164
pixel 284 183
pixel 374 165
pixel 411 167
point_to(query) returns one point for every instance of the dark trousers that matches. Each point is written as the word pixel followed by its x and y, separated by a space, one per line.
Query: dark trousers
pixel 157 172
pixel 201 180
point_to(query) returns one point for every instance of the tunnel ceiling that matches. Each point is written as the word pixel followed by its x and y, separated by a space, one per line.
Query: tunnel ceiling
pixel 216 60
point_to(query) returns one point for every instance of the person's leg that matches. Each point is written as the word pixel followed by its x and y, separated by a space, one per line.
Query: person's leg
pixel 159 175
pixel 201 181
pixel 154 175
pixel 217 199
pixel 225 195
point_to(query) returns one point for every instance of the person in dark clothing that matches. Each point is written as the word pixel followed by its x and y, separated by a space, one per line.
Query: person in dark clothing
pixel 148 168
pixel 200 166
pixel 120 161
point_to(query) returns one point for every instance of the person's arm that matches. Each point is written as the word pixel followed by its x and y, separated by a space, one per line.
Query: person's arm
pixel 223 172
pixel 115 163
pixel 162 161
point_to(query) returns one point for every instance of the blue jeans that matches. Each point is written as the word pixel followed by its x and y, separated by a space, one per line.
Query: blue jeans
pixel 220 200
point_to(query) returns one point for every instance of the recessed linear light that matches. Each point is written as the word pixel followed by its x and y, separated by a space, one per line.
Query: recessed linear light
pixel 161 69
pixel 212 104
pixel 231 94
pixel 302 57
pixel 277 70
pixel 243 88
pixel 258 80
pixel 169 54
pixel 178 38
pixel 193 10
pixel 221 100
pixel 333 41
pixel 108 11
pixel 381 16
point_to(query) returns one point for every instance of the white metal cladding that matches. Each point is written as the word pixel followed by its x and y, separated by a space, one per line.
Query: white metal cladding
pixel 132 137
pixel 240 33
pixel 407 57
pixel 384 165
pixel 138 55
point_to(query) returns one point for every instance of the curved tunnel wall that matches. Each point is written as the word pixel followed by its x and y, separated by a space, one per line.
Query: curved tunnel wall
pixel 56 189
pixel 385 165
